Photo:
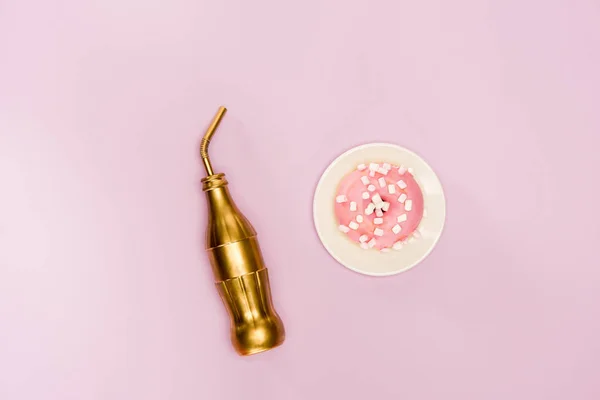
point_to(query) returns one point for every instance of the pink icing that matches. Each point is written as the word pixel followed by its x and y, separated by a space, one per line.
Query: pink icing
pixel 352 187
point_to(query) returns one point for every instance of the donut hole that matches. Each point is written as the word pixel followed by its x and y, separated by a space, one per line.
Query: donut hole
pixel 390 200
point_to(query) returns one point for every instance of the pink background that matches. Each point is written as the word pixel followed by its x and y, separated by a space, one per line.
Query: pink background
pixel 105 292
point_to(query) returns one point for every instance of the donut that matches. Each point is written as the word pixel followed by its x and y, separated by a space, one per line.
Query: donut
pixel 379 206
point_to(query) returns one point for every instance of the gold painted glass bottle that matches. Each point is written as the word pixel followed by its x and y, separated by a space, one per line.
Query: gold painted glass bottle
pixel 237 263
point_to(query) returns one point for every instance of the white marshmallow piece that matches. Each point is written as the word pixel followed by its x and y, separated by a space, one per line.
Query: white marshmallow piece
pixel 378 221
pixel 417 234
pixel 377 199
pixel 373 167
pixel 391 189
pixel 363 238
pixel 425 212
pixel 402 218
pixel 408 205
pixel 341 198
pixel 378 212
pixel 387 166
pixel 364 180
pixel 364 246
pixel 397 246
pixel 382 182
pixel 366 195
pixel 385 206
pixel 382 171
pixel 411 171
pixel 370 208
pixel 378 232
pixel 371 243
pixel 411 239
pixel 371 173
pixel 344 228
pixel 371 188
pixel 359 218
pixel 396 229
pixel 353 225
pixel 385 250
pixel 402 170
pixel 352 206
pixel 361 167
pixel 401 184
pixel 402 198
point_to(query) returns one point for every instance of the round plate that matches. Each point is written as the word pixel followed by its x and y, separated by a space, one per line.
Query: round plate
pixel 373 262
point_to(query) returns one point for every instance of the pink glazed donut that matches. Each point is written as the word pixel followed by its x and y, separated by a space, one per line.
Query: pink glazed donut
pixel 379 206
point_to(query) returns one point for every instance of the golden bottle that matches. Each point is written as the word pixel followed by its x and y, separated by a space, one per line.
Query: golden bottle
pixel 237 263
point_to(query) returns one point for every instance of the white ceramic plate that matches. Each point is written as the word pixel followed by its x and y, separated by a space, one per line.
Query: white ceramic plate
pixel 373 262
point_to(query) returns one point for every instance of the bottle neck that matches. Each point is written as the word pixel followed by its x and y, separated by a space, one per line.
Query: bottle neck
pixel 226 223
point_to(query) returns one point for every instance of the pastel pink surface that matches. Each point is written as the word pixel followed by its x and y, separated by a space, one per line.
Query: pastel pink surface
pixel 353 187
pixel 105 290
